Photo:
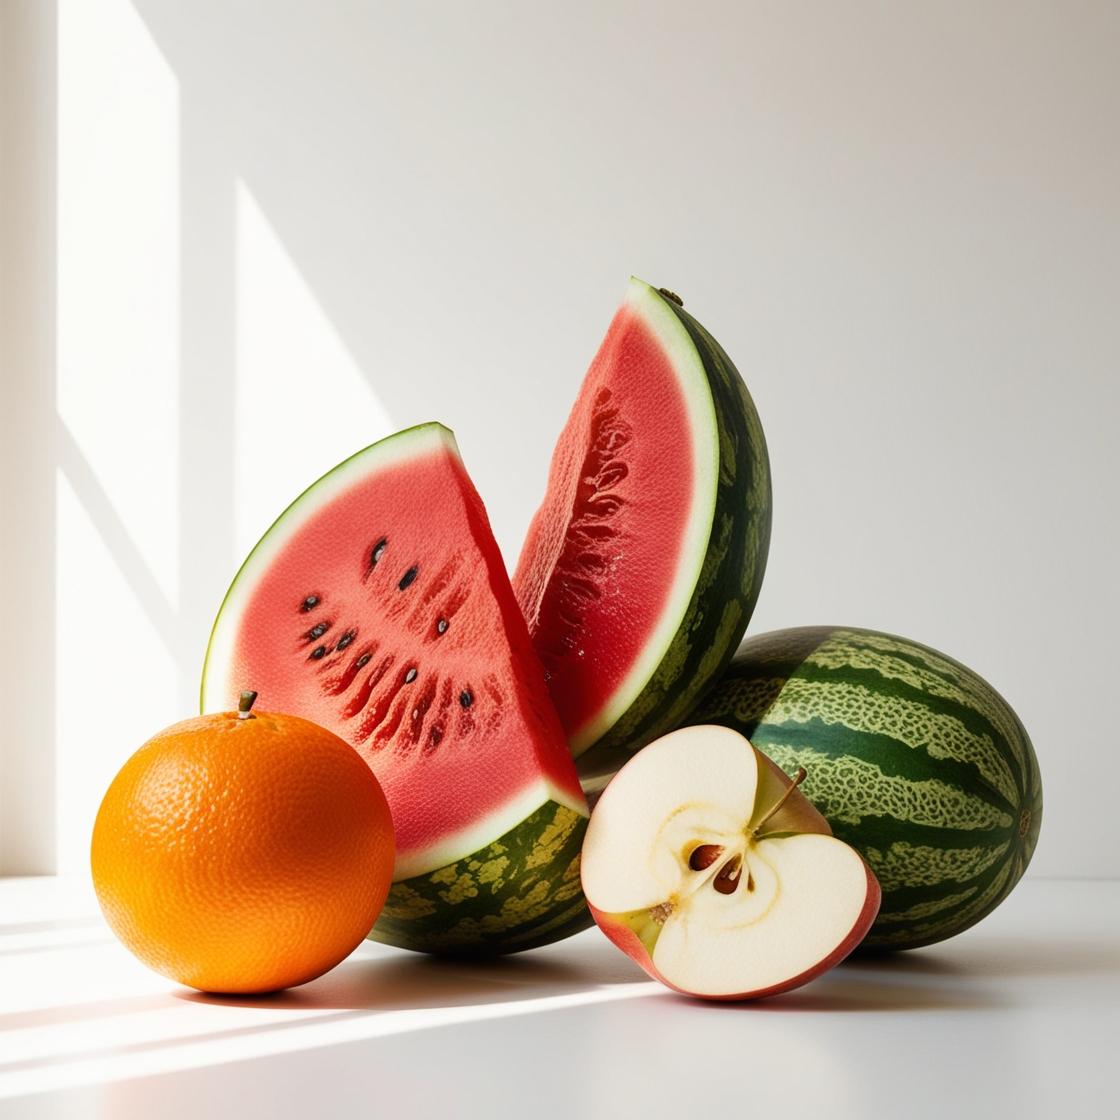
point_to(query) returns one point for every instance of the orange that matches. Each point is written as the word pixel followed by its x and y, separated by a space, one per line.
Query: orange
pixel 243 853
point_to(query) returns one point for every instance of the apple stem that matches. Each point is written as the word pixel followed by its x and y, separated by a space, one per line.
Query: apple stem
pixel 801 775
pixel 245 705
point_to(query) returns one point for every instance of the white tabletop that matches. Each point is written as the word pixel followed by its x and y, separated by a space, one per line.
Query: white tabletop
pixel 1019 1017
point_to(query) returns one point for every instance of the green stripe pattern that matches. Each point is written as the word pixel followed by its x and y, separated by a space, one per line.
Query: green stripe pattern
pixel 519 892
pixel 915 761
pixel 730 578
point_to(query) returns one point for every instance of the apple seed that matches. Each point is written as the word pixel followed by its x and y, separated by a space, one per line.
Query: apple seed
pixel 728 878
pixel 704 856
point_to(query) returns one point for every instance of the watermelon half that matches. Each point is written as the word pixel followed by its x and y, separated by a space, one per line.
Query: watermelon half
pixel 643 564
pixel 378 606
pixel 914 759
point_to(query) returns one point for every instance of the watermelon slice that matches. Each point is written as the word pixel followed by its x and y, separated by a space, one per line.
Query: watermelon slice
pixel 643 564
pixel 378 606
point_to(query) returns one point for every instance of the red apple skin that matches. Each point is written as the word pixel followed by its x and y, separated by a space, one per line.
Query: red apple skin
pixel 629 942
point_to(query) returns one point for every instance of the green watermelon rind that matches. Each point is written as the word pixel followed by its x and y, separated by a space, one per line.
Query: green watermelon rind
pixel 722 564
pixel 519 892
pixel 912 757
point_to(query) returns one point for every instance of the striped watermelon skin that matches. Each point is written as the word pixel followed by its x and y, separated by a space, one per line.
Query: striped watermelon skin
pixel 914 760
pixel 517 893
pixel 730 578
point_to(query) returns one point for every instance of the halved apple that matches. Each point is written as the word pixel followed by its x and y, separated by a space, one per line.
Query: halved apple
pixel 706 864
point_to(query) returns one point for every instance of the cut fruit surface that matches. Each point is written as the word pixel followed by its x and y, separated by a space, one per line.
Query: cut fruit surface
pixel 716 875
pixel 642 566
pixel 801 889
pixel 378 606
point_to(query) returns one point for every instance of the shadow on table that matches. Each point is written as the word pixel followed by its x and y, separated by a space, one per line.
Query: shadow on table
pixel 28 950
pixel 395 983
pixel 956 975
pixel 1006 958
pixel 384 983
pixel 359 986
pixel 962 976
pixel 843 992
pixel 49 926
pixel 959 976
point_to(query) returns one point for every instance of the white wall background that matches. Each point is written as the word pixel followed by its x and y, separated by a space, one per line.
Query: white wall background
pixel 267 234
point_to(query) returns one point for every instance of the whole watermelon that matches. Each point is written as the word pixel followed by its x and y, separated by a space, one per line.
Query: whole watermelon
pixel 914 759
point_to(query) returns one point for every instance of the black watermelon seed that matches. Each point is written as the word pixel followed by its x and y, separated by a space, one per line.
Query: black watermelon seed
pixel 346 639
pixel 408 577
pixel 310 603
pixel 317 652
pixel 378 551
pixel 441 626
pixel 410 676
pixel 318 630
pixel 435 735
pixel 363 660
pixel 466 698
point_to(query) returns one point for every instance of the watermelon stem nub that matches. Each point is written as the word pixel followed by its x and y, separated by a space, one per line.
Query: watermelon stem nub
pixel 801 775
pixel 245 705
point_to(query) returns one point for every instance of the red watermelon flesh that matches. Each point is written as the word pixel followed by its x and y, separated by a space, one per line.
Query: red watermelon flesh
pixel 378 605
pixel 603 556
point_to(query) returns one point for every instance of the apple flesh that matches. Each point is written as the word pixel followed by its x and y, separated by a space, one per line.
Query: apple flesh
pixel 705 864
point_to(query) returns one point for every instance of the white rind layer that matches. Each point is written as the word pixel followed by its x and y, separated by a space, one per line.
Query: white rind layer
pixel 483 832
pixel 651 308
